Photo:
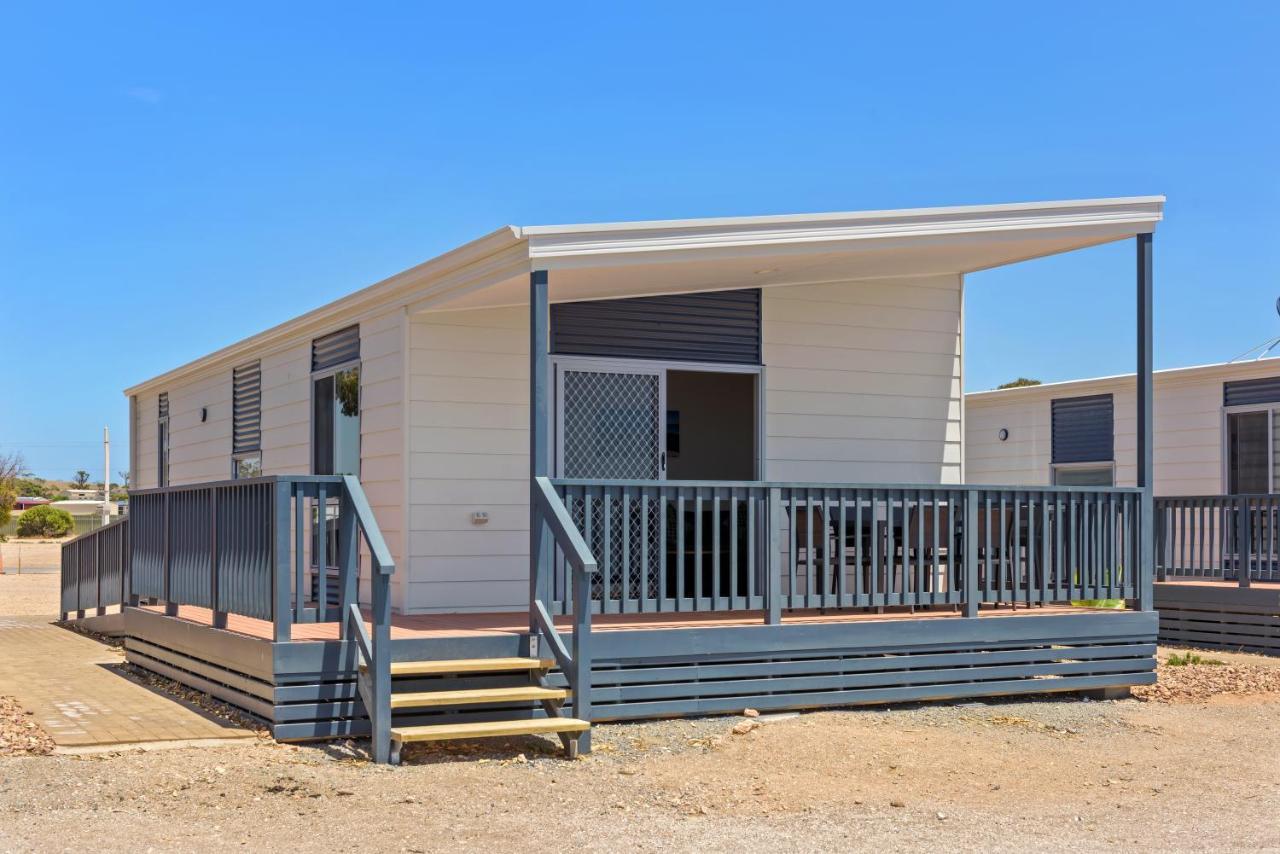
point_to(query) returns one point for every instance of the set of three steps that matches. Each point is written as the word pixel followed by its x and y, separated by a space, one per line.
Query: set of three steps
pixel 552 700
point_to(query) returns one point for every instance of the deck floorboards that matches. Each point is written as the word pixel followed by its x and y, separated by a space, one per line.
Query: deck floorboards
pixel 489 624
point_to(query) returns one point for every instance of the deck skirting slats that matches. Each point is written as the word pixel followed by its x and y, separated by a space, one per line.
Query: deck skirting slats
pixel 1220 616
pixel 647 673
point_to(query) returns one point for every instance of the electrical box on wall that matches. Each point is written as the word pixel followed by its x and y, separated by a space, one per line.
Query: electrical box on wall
pixel 480 517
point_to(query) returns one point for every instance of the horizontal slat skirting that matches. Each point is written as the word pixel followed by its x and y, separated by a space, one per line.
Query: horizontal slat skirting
pixel 831 699
pixel 603 677
pixel 245 702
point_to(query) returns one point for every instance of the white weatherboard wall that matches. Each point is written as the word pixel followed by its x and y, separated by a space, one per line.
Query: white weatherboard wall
pixel 1187 429
pixel 862 384
pixel 863 380
pixel 202 452
pixel 469 442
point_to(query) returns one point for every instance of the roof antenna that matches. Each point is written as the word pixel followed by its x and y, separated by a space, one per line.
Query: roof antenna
pixel 1262 349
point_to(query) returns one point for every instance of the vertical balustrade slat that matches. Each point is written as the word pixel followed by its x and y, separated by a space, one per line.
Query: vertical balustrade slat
pixel 773 582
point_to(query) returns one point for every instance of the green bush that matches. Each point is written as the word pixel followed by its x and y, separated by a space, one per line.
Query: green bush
pixel 44 521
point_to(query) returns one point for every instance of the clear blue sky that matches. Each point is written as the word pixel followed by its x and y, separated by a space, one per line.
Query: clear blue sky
pixel 172 180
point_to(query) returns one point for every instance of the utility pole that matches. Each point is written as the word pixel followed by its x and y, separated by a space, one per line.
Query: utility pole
pixel 106 475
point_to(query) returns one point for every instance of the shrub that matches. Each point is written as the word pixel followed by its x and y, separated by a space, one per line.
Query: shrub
pixel 44 521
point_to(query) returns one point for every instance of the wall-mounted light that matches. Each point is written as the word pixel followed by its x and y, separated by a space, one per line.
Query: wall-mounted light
pixel 1003 434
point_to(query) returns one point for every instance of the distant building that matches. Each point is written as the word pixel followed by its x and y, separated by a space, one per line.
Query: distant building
pixel 27 501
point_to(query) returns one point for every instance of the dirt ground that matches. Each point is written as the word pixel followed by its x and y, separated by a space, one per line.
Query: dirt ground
pixel 1194 769
pixel 32 594
pixel 1010 776
pixel 31 555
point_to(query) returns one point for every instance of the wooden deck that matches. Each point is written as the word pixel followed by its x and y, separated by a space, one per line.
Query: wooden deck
pixel 515 623
pixel 1220 614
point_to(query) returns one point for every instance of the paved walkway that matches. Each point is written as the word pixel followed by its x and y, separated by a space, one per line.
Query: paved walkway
pixel 72 685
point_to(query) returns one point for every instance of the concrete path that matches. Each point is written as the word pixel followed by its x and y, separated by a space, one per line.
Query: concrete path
pixel 73 687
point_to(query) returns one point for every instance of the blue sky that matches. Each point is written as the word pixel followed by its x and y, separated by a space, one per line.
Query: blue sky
pixel 173 179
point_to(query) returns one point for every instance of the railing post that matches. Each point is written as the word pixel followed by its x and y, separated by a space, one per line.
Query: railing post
pixel 97 575
pixel 281 616
pixel 969 548
pixel 380 666
pixel 170 607
pixel 215 594
pixel 582 654
pixel 773 584
pixel 348 558
pixel 1244 540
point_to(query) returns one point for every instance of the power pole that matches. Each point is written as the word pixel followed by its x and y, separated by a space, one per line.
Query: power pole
pixel 106 475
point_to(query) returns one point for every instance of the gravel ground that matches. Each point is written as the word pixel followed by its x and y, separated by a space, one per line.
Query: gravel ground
pixel 19 733
pixel 1191 766
pixel 1014 776
pixel 29 594
pixel 31 555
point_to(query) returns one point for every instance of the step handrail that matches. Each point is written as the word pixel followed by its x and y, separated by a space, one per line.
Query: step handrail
pixel 373 650
pixel 549 512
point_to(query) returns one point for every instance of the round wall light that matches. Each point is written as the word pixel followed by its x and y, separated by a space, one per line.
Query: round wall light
pixel 1003 434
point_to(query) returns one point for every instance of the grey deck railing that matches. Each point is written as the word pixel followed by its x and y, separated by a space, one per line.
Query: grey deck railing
pixel 1218 537
pixel 549 515
pixel 266 548
pixel 95 570
pixel 681 546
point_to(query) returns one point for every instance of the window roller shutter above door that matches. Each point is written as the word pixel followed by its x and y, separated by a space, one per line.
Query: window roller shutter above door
pixel 723 327
pixel 1084 429
pixel 1251 392
pixel 246 390
pixel 336 348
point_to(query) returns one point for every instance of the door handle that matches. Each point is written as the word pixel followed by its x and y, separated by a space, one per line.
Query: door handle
pixel 662 461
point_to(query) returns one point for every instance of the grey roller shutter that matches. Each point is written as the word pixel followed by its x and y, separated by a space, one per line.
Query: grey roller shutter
pixel 336 348
pixel 710 327
pixel 1248 392
pixel 1084 429
pixel 246 408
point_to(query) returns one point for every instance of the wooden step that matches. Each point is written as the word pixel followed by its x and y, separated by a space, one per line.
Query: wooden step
pixel 487 729
pixel 421 699
pixel 466 665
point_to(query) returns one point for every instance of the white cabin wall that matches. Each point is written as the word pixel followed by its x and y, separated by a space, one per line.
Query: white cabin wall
pixel 143 435
pixel 863 381
pixel 469 452
pixel 286 410
pixel 862 384
pixel 1187 430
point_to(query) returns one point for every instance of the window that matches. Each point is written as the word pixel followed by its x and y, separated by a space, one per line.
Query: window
pixel 162 441
pixel 246 419
pixel 1083 435
pixel 1084 475
pixel 1251 435
pixel 335 400
pixel 246 466
pixel 1253 450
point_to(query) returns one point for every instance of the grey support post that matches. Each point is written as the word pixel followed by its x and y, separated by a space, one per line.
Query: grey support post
pixel 1146 443
pixel 539 441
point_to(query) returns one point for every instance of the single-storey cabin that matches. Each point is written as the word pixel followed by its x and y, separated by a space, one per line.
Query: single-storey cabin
pixel 639 469
pixel 1216 473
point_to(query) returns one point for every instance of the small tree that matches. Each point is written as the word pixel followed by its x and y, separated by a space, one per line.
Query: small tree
pixel 45 521
pixel 82 479
pixel 1019 383
pixel 12 467
pixel 124 478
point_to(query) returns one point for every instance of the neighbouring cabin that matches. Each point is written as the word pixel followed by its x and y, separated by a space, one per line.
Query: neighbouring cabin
pixel 1216 473
pixel 566 474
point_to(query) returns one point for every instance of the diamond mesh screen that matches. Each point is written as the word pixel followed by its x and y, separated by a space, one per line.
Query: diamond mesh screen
pixel 610 430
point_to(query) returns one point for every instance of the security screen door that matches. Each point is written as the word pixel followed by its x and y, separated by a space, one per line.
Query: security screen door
pixel 609 425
